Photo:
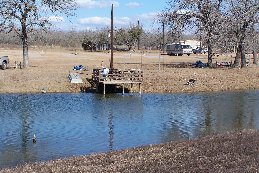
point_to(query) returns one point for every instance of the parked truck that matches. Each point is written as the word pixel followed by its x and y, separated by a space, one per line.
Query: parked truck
pixel 4 62
pixel 178 49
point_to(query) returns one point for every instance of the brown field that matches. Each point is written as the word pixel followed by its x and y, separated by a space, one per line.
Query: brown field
pixel 49 69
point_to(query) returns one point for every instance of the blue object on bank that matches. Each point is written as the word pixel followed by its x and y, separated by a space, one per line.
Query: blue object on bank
pixel 199 64
pixel 78 67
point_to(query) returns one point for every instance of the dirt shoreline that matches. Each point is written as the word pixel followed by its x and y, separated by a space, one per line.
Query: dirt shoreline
pixel 230 152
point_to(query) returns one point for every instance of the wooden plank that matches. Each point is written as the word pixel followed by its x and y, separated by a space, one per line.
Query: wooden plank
pixel 119 82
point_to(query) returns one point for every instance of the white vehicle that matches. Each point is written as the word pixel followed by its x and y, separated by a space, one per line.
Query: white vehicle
pixel 4 61
pixel 178 49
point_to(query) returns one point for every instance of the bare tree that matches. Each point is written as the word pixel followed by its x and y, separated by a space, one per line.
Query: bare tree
pixel 152 39
pixel 134 34
pixel 256 46
pixel 96 40
pixel 241 17
pixel 128 36
pixel 24 16
pixel 122 37
pixel 202 15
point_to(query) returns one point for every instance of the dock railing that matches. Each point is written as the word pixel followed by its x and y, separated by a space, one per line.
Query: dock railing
pixel 117 77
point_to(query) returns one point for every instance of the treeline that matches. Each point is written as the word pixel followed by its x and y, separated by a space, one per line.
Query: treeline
pixel 45 39
pixel 98 39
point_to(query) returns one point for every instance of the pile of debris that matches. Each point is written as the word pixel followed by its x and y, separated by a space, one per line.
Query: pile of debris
pixel 224 64
pixel 199 64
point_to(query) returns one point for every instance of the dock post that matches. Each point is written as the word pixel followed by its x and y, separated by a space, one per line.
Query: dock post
pixel 131 86
pixel 122 89
pixel 104 89
pixel 139 88
pixel 97 87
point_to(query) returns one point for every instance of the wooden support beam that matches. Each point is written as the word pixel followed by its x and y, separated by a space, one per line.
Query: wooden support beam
pixel 97 87
pixel 103 89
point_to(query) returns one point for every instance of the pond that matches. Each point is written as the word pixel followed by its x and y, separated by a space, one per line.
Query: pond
pixel 79 124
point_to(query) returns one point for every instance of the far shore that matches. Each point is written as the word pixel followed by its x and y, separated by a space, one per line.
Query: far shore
pixel 49 70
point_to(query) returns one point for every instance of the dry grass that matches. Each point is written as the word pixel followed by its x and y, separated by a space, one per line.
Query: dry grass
pixel 49 69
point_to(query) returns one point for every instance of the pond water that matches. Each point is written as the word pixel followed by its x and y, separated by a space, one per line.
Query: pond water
pixel 79 124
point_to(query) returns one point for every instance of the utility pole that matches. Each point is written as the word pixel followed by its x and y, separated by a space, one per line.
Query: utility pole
pixel 111 62
pixel 163 37
pixel 139 34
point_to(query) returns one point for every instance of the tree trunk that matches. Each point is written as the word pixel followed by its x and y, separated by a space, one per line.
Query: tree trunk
pixel 240 56
pixel 209 56
pixel 25 54
pixel 243 57
pixel 25 47
pixel 255 57
pixel 237 58
pixel 243 60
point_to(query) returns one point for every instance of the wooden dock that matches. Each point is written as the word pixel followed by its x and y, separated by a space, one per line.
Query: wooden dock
pixel 117 77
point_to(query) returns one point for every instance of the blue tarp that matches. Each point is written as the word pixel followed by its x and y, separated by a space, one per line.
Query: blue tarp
pixel 199 64
pixel 78 67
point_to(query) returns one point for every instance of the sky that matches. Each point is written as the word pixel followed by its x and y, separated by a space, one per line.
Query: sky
pixel 95 14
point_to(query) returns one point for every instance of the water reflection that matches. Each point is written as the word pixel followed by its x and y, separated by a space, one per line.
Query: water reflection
pixel 111 133
pixel 76 124
pixel 18 138
pixel 26 122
